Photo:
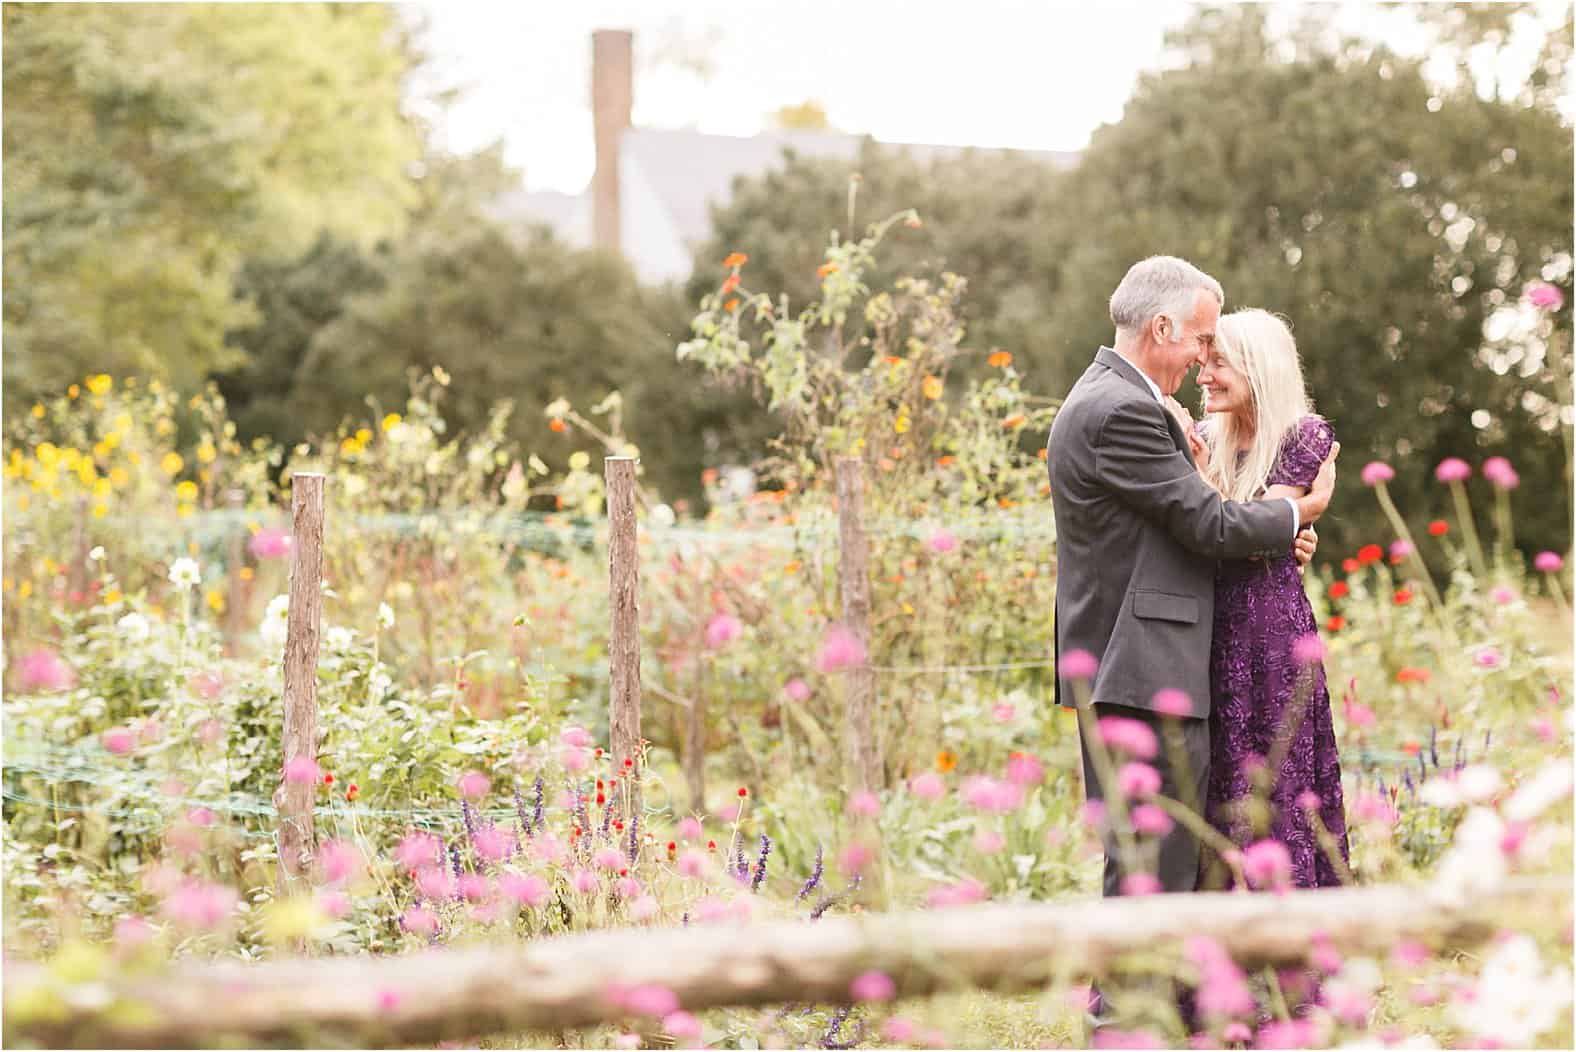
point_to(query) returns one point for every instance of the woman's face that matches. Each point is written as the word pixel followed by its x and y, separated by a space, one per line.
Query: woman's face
pixel 1225 389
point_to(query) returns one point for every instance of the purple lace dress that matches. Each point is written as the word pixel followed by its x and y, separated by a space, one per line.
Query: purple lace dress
pixel 1260 612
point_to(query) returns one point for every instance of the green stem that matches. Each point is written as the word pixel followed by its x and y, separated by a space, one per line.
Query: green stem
pixel 1458 493
pixel 1436 603
pixel 1105 771
pixel 1558 592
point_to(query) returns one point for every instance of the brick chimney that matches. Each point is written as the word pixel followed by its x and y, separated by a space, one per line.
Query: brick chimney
pixel 612 103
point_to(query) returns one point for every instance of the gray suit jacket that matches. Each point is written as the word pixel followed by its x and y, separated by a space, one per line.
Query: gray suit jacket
pixel 1138 533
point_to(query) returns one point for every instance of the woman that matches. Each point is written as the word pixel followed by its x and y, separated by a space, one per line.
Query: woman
pixel 1260 438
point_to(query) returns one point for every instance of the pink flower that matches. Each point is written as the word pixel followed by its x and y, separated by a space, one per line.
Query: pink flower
pixel 963 893
pixel 1548 562
pixel 865 804
pixel 692 863
pixel 1488 657
pixel 1025 770
pixel 575 737
pixel 199 905
pixel 643 908
pixel 1111 1037
pixel 711 908
pixel 132 933
pixel 1078 664
pixel 417 850
pixel 1173 702
pixel 988 794
pixel 548 849
pixel 1266 863
pixel 1307 649
pixel 527 891
pixel 1292 1033
pixel 1359 715
pixel 690 828
pixel 722 629
pixel 206 684
pixel 418 921
pixel 1308 800
pixel 989 841
pixel 435 882
pixel 340 860
pixel 1409 953
pixel 210 731
pixel 574 759
pixel 1141 884
pixel 1400 549
pixel 1453 469
pixel 1544 296
pixel 1503 596
pixel 1323 955
pixel 610 858
pixel 1346 1003
pixel 1004 712
pixel 473 784
pixel 1498 471
pixel 494 843
pixel 942 541
pixel 333 902
pixel 1377 471
pixel 650 999
pixel 1130 736
pixel 1094 813
pixel 303 770
pixel 583 881
pixel 797 689
pixel 681 1024
pixel 840 649
pixel 270 542
pixel 898 1030
pixel 927 786
pixel 119 740
pixel 1543 727
pixel 855 858
pixel 1236 1034
pixel 1371 807
pixel 1151 820
pixel 1138 780
pixel 872 986
pixel 43 669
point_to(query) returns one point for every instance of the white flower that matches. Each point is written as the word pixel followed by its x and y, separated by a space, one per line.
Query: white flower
pixel 1544 789
pixel 1439 791
pixel 378 684
pixel 1515 1001
pixel 97 554
pixel 1479 783
pixel 385 616
pixel 662 516
pixel 134 627
pixel 1476 860
pixel 276 622
pixel 185 574
pixel 339 638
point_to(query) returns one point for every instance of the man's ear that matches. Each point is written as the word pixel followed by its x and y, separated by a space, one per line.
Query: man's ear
pixel 1160 328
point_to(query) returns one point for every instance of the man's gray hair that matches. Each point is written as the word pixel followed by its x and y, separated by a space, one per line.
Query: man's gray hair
pixel 1160 285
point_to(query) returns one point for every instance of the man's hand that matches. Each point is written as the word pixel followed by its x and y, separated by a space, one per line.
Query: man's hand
pixel 1307 543
pixel 1310 507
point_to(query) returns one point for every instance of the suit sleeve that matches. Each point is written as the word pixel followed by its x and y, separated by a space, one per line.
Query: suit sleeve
pixel 1139 463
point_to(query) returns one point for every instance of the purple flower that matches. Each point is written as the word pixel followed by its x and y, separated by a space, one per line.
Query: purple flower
pixel 760 864
pixel 1453 469
pixel 815 876
pixel 1548 562
pixel 1377 471
pixel 1079 664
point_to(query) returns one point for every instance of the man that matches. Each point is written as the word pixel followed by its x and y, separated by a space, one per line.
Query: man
pixel 1138 534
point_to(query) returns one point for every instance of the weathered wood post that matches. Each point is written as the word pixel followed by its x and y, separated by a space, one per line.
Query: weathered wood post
pixel 623 565
pixel 862 750
pixel 293 799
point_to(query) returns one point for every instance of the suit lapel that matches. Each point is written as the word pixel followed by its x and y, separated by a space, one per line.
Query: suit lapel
pixel 1127 371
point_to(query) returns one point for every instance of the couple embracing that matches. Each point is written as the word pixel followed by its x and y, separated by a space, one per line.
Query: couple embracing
pixel 1179 599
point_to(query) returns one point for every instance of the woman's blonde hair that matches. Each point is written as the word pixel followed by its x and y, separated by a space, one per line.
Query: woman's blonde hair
pixel 1258 345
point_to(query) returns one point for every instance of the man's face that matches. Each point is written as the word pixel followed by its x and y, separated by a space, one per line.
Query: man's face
pixel 1192 346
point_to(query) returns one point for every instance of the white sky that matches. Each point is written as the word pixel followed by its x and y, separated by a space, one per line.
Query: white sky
pixel 1009 73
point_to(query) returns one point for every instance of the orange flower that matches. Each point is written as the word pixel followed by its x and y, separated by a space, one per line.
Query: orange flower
pixel 892 359
pixel 946 461
pixel 826 268
pixel 1044 453
pixel 729 284
pixel 946 761
pixel 736 259
pixel 1017 420
pixel 352 791
pixel 1413 675
pixel 708 477
pixel 557 425
pixel 731 305
pixel 999 360
pixel 932 387
pixel 1335 624
pixel 793 566
pixel 1411 748
pixel 1006 502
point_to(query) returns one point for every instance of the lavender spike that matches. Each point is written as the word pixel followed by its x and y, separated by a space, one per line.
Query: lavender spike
pixel 519 811
pixel 815 877
pixel 536 825
pixel 760 864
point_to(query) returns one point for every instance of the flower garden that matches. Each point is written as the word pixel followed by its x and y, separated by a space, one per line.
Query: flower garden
pixel 466 788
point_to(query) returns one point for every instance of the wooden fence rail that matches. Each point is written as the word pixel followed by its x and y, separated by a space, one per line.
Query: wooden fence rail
pixel 572 981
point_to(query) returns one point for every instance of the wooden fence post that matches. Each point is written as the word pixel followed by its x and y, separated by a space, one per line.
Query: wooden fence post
pixel 862 750
pixel 623 565
pixel 293 799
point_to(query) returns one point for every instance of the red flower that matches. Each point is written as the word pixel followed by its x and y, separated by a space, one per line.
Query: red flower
pixel 1369 553
pixel 736 259
pixel 1403 596
pixel 1411 748
pixel 1349 565
pixel 557 425
pixel 711 845
pixel 601 798
pixel 628 762
pixel 352 791
pixel 743 792
pixel 328 779
pixel 1335 624
pixel 1413 675
pixel 1340 590
pixel 728 285
pixel 1438 528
